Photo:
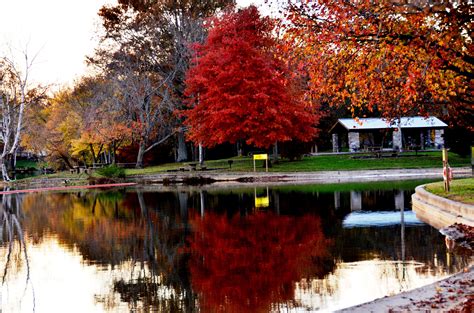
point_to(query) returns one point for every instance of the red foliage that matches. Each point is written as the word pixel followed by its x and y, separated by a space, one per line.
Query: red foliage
pixel 246 264
pixel 240 89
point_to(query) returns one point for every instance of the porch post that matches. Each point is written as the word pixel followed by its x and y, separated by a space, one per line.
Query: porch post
pixel 439 138
pixel 397 139
pixel 354 141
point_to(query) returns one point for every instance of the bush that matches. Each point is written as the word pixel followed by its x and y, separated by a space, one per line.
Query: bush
pixel 112 171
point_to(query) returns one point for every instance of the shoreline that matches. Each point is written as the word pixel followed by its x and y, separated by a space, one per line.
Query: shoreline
pixel 230 179
pixel 275 178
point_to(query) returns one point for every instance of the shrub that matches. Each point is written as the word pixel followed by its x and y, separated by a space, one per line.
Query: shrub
pixel 112 171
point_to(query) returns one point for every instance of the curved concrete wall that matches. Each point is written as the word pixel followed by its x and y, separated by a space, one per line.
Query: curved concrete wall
pixel 440 212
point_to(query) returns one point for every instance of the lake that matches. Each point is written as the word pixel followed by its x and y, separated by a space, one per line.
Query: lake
pixel 264 249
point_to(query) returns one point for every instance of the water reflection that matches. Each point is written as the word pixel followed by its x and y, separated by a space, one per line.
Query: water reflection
pixel 217 250
pixel 13 248
pixel 247 263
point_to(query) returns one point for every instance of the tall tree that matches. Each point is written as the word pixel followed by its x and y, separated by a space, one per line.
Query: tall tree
pixel 240 90
pixel 149 56
pixel 14 96
pixel 392 58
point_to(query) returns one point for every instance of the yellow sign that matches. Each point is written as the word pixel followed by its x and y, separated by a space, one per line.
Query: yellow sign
pixel 260 156
pixel 262 202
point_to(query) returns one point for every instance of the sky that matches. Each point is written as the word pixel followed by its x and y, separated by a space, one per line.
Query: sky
pixel 60 32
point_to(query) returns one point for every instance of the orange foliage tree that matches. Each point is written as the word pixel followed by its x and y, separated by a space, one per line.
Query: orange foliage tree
pixel 391 58
pixel 80 124
pixel 246 264
pixel 240 90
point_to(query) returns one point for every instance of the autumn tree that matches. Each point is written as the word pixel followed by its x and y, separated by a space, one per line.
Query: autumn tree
pixel 104 126
pixel 145 50
pixel 80 124
pixel 239 89
pixel 389 58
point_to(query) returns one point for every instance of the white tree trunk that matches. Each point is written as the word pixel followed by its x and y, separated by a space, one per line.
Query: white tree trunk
pixel 201 154
pixel 12 108
pixel 141 153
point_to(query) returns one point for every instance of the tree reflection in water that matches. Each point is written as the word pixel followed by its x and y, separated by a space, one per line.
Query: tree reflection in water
pixel 251 263
pixel 12 241
pixel 117 230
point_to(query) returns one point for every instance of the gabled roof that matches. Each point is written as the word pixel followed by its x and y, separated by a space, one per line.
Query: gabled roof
pixel 382 123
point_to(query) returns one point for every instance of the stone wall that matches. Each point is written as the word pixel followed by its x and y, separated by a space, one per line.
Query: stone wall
pixel 440 212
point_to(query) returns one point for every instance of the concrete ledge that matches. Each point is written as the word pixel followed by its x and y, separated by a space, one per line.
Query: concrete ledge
pixel 440 212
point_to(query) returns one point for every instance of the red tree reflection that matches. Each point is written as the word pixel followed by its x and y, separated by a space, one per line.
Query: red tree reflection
pixel 244 264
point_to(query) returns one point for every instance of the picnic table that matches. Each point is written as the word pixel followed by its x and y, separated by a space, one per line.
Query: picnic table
pixel 379 151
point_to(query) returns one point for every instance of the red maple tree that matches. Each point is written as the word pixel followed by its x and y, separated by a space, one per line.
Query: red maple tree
pixel 240 89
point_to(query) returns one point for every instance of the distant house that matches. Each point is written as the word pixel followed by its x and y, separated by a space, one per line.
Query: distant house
pixel 408 133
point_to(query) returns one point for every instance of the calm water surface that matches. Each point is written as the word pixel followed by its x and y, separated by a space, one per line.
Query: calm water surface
pixel 291 249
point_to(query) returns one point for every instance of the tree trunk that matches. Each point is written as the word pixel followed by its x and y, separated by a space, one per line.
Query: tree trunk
pixel 141 153
pixel 239 148
pixel 275 152
pixel 94 159
pixel 4 170
pixel 201 154
pixel 114 153
pixel 182 151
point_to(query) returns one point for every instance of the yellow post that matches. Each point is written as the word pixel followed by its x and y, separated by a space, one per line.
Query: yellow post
pixel 445 155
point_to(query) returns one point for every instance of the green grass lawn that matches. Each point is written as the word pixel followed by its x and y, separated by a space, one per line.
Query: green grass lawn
pixel 460 190
pixel 320 163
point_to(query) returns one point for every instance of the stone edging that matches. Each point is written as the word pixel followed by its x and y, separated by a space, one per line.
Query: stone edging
pixel 440 212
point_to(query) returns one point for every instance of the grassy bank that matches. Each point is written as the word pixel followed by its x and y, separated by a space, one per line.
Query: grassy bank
pixel 461 190
pixel 319 163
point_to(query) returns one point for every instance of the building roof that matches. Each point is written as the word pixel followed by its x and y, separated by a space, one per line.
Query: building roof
pixel 382 123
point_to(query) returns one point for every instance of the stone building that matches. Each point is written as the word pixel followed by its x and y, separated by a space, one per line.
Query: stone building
pixel 408 133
